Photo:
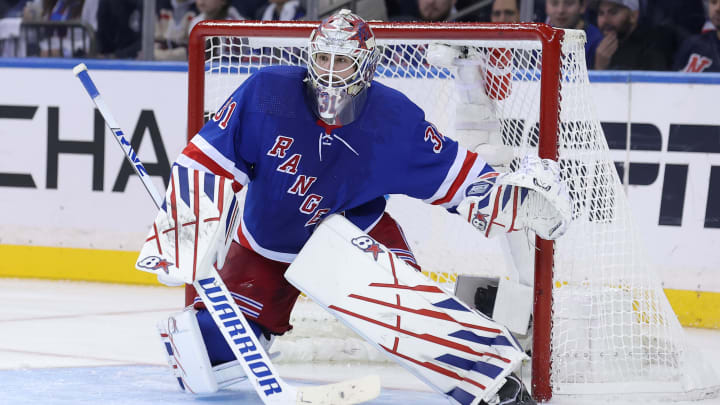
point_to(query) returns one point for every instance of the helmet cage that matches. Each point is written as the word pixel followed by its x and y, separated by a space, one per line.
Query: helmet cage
pixel 337 99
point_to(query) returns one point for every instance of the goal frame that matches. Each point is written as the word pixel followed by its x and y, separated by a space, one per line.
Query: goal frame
pixel 551 40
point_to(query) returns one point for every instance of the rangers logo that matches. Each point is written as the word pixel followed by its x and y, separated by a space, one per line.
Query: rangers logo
pixel 480 221
pixel 367 244
pixel 155 263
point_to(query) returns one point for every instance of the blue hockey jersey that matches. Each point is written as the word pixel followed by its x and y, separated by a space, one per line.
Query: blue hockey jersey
pixel 298 170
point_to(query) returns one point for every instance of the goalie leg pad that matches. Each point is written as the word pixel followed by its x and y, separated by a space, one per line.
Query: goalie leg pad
pixel 409 318
pixel 197 353
pixel 186 352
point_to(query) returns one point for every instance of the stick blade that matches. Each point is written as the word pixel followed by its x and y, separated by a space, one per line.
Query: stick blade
pixel 352 391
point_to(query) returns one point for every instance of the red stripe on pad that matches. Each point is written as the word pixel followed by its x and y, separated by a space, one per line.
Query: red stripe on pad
pixel 421 288
pixel 428 365
pixel 422 336
pixel 424 312
pixel 196 212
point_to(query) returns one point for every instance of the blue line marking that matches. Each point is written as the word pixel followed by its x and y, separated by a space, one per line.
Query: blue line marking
pixel 158 66
pixel 93 64
pixel 653 77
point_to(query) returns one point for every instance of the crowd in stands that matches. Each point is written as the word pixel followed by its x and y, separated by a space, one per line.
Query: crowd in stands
pixel 660 35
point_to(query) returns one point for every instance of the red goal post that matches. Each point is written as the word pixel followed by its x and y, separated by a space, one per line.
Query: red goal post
pixel 629 321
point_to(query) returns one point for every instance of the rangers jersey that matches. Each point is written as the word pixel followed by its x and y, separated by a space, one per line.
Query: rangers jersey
pixel 298 170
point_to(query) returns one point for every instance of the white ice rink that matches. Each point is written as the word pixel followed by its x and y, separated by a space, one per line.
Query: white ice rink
pixel 91 343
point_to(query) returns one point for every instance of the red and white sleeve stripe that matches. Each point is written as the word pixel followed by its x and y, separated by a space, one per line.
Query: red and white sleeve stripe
pixel 201 155
pixel 464 170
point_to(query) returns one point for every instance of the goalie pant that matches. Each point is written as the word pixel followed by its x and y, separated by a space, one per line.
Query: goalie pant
pixel 265 296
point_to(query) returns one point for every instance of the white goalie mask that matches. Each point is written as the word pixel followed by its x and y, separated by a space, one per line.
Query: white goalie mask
pixel 341 63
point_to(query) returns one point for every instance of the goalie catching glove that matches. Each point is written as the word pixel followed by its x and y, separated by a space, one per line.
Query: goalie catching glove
pixel 533 197
pixel 193 229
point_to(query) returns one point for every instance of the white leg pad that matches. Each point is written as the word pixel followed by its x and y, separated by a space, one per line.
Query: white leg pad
pixel 188 357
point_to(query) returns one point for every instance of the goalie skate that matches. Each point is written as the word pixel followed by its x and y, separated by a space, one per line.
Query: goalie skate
pixel 513 392
pixel 188 359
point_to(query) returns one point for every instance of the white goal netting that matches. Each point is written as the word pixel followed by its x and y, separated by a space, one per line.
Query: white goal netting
pixel 613 330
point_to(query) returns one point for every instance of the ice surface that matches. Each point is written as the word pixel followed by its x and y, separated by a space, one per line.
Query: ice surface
pixel 77 343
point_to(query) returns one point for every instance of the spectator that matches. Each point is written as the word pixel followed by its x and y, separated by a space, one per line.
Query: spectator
pixel 214 10
pixel 172 29
pixel 119 28
pixel 701 53
pixel 436 10
pixel 683 18
pixel 505 11
pixel 628 45
pixel 369 10
pixel 402 10
pixel 479 14
pixel 12 8
pixel 56 41
pixel 709 25
pixel 569 14
pixel 248 7
pixel 12 42
pixel 423 10
pixel 89 13
pixel 281 10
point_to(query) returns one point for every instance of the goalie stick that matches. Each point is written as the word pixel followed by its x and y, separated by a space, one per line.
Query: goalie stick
pixel 268 384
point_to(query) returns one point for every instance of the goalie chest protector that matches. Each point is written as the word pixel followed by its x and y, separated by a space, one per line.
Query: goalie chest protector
pixel 300 170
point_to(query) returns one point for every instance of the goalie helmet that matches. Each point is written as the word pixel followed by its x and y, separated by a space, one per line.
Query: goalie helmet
pixel 342 57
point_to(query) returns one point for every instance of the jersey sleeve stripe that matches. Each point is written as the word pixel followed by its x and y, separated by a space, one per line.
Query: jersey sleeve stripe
pixel 452 173
pixel 459 179
pixel 477 168
pixel 200 151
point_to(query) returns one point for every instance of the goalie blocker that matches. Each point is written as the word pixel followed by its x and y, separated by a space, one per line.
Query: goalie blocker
pixel 193 229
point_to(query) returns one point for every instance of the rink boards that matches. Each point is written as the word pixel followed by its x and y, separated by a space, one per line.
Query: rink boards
pixel 71 209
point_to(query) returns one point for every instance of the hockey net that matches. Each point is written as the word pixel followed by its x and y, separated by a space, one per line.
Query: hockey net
pixel 608 328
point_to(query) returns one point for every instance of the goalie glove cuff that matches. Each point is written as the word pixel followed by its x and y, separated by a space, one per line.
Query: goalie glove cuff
pixel 490 206
pixel 194 228
pixel 533 197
